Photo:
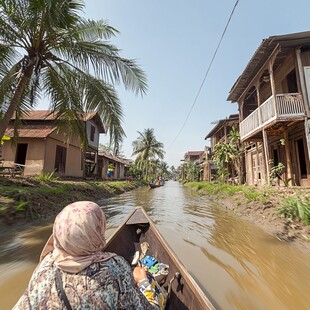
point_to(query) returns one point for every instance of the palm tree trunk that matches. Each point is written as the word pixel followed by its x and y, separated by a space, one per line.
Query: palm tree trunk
pixel 15 102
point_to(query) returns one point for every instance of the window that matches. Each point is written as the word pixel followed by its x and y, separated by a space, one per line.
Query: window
pixel 92 133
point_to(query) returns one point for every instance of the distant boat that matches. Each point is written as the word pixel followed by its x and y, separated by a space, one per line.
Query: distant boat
pixel 184 292
pixel 154 185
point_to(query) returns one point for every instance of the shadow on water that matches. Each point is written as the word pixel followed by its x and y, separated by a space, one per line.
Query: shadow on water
pixel 233 261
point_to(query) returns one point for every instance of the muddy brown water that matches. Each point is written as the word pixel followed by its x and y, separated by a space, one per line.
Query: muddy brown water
pixel 235 263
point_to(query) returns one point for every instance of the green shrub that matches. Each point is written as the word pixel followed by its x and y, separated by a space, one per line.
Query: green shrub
pixel 250 196
pixel 199 186
pixel 46 177
pixel 296 209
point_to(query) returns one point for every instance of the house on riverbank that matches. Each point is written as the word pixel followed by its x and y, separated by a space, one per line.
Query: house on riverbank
pixel 273 95
pixel 118 167
pixel 191 158
pixel 41 147
pixel 219 134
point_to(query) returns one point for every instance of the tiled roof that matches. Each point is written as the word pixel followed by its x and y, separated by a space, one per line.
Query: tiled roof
pixel 31 131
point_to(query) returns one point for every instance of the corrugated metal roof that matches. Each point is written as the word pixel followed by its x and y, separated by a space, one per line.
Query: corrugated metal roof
pixel 261 55
pixel 47 115
pixel 112 157
pixel 31 131
pixel 37 115
pixel 232 119
pixel 193 153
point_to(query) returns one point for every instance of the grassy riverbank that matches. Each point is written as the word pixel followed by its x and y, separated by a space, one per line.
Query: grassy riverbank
pixel 275 209
pixel 26 200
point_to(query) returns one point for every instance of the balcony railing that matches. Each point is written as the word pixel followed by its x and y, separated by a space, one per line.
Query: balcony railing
pixel 285 106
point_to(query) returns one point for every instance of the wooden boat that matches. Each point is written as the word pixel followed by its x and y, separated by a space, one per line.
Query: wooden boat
pixel 152 185
pixel 137 228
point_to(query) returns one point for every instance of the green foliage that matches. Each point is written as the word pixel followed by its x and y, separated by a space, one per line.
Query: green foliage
pixel 148 151
pixel 135 172
pixel 296 209
pixel 227 155
pixel 251 195
pixel 191 171
pixel 21 206
pixel 3 209
pixel 49 49
pixel 199 186
pixel 46 177
pixel 276 171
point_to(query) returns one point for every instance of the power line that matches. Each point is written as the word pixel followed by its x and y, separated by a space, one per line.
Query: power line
pixel 206 74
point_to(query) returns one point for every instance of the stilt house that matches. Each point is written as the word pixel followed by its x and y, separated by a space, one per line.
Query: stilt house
pixel 273 95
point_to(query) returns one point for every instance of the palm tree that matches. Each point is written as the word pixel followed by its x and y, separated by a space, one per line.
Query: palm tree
pixel 163 169
pixel 48 50
pixel 229 153
pixel 147 148
pixel 154 168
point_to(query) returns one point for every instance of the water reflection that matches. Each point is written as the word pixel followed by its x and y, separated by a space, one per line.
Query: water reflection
pixel 236 264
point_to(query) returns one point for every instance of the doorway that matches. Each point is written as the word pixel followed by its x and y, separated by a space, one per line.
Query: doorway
pixel 21 153
pixel 60 159
pixel 302 164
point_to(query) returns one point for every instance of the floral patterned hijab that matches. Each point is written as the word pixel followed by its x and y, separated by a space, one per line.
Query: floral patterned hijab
pixel 78 237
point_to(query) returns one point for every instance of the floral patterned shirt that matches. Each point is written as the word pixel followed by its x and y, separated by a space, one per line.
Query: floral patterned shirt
pixel 104 285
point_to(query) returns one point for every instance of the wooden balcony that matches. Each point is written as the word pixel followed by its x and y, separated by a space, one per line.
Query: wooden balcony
pixel 283 107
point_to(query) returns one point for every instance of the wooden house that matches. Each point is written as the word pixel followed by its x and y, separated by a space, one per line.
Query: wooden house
pixel 116 165
pixel 219 134
pixel 40 147
pixel 207 168
pixel 194 157
pixel 273 95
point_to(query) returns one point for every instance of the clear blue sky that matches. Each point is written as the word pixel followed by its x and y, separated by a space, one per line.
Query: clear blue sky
pixel 173 42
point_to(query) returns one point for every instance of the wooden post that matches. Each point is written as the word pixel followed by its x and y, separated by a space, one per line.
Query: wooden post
pixel 288 156
pixel 257 163
pixel 307 132
pixel 265 177
pixel 265 140
pixel 241 110
pixel 257 86
pixel 304 96
pixel 273 86
pixel 302 81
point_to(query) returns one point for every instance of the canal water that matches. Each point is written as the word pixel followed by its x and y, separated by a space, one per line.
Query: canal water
pixel 235 263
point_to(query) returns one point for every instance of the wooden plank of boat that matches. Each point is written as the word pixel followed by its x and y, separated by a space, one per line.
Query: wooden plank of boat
pixel 151 185
pixel 138 228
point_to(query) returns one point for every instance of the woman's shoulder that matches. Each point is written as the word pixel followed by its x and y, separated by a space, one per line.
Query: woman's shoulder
pixel 116 262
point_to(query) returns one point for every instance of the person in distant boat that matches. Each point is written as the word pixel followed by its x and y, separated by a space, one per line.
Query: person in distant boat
pixel 74 272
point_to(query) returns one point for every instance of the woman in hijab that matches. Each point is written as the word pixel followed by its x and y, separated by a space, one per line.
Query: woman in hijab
pixel 74 272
